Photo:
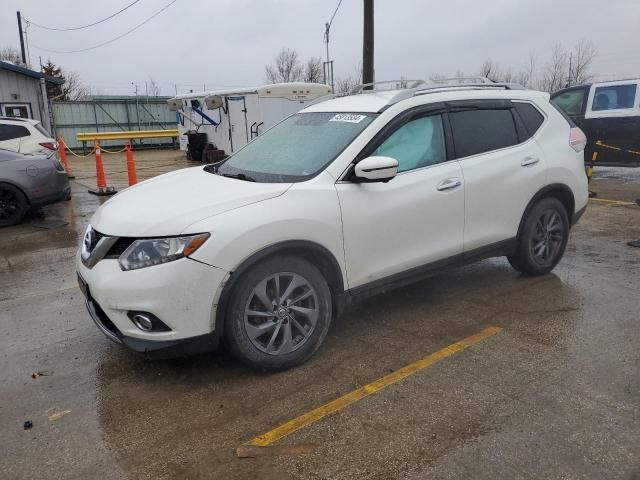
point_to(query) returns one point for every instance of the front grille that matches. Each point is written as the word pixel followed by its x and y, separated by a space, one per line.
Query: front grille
pixel 119 247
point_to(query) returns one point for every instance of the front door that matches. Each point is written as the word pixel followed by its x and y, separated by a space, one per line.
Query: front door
pixel 411 221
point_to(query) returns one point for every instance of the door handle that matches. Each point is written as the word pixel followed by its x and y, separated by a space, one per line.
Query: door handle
pixel 526 161
pixel 449 184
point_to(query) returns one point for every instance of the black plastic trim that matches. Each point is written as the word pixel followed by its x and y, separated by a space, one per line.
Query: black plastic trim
pixel 577 215
pixel 544 191
pixel 498 249
pixel 313 248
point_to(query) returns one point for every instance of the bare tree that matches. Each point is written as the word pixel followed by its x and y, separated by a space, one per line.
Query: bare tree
pixel 555 72
pixel 72 89
pixel 10 54
pixel 526 76
pixel 153 90
pixel 313 72
pixel 580 60
pixel 286 67
pixel 344 85
pixel 490 70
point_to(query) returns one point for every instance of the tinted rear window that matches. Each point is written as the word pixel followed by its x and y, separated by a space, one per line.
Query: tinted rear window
pixel 479 131
pixel 530 116
pixel 614 97
pixel 9 132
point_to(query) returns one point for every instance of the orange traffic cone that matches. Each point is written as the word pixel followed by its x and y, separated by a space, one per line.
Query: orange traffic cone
pixel 101 181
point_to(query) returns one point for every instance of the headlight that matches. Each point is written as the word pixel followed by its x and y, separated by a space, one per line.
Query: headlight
pixel 154 251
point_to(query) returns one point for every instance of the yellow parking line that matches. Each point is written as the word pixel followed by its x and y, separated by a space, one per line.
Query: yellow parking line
pixel 613 202
pixel 341 402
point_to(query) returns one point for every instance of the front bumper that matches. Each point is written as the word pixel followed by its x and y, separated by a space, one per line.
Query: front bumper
pixel 183 294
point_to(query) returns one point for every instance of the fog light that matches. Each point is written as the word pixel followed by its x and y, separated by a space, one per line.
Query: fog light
pixel 142 322
pixel 147 321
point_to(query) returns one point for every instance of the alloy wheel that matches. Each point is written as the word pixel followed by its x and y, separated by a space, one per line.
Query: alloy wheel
pixel 547 237
pixel 281 313
pixel 8 204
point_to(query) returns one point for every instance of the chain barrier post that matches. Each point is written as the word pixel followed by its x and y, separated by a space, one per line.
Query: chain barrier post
pixel 131 166
pixel 62 154
pixel 101 181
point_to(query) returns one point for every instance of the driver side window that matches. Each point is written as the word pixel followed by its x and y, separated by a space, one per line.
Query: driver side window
pixel 416 144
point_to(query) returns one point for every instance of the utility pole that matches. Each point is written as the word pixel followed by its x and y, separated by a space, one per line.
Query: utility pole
pixel 24 56
pixel 367 44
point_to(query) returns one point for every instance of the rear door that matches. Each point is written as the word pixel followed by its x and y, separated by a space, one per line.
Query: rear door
pixel 502 164
pixel 613 117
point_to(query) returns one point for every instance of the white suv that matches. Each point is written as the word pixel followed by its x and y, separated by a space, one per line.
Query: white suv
pixel 24 135
pixel 349 197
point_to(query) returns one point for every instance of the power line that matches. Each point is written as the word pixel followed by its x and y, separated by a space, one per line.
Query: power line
pixel 84 26
pixel 113 39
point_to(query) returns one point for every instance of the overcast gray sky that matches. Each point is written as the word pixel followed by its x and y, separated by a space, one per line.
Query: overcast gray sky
pixel 220 43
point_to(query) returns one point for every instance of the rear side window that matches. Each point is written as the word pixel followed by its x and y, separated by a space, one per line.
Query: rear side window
pixel 530 116
pixel 9 132
pixel 614 97
pixel 570 102
pixel 479 131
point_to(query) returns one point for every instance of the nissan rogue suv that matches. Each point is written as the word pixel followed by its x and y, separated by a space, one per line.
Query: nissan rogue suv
pixel 349 197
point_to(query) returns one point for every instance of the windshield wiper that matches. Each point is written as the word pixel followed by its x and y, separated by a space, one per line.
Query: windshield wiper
pixel 239 176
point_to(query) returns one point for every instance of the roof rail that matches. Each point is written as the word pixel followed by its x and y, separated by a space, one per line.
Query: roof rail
pixel 468 86
pixel 462 80
pixel 395 85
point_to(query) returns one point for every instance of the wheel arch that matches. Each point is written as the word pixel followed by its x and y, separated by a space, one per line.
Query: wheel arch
pixel 559 191
pixel 312 252
pixel 15 185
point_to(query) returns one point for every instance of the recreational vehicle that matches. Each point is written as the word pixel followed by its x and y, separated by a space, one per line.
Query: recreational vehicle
pixel 226 120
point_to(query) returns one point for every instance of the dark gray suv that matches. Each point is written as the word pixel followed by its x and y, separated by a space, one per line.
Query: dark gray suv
pixel 29 180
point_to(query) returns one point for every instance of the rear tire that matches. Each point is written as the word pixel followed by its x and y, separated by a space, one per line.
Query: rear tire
pixel 13 205
pixel 279 313
pixel 543 239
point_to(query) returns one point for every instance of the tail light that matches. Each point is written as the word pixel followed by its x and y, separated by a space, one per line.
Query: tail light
pixel 48 145
pixel 577 139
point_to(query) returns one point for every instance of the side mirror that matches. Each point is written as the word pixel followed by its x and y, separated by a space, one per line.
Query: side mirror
pixel 376 169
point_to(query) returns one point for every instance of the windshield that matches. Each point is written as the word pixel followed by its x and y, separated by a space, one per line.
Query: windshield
pixel 297 148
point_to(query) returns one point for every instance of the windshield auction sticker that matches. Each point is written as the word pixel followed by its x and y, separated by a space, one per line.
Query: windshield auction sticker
pixel 348 117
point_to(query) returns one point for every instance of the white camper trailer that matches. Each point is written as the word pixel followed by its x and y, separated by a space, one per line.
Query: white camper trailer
pixel 226 120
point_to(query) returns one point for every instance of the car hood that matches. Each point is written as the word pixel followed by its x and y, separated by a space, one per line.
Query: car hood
pixel 168 204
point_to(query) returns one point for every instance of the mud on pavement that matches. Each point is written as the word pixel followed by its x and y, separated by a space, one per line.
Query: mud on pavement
pixel 554 394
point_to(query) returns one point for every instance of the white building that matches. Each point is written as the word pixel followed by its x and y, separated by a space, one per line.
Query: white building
pixel 23 93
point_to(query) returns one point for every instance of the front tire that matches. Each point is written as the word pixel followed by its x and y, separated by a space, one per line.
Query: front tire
pixel 279 313
pixel 543 239
pixel 13 205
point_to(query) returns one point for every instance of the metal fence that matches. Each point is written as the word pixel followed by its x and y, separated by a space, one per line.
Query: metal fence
pixel 112 114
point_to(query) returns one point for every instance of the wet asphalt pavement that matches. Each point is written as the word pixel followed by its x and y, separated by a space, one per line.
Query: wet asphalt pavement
pixel 555 394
